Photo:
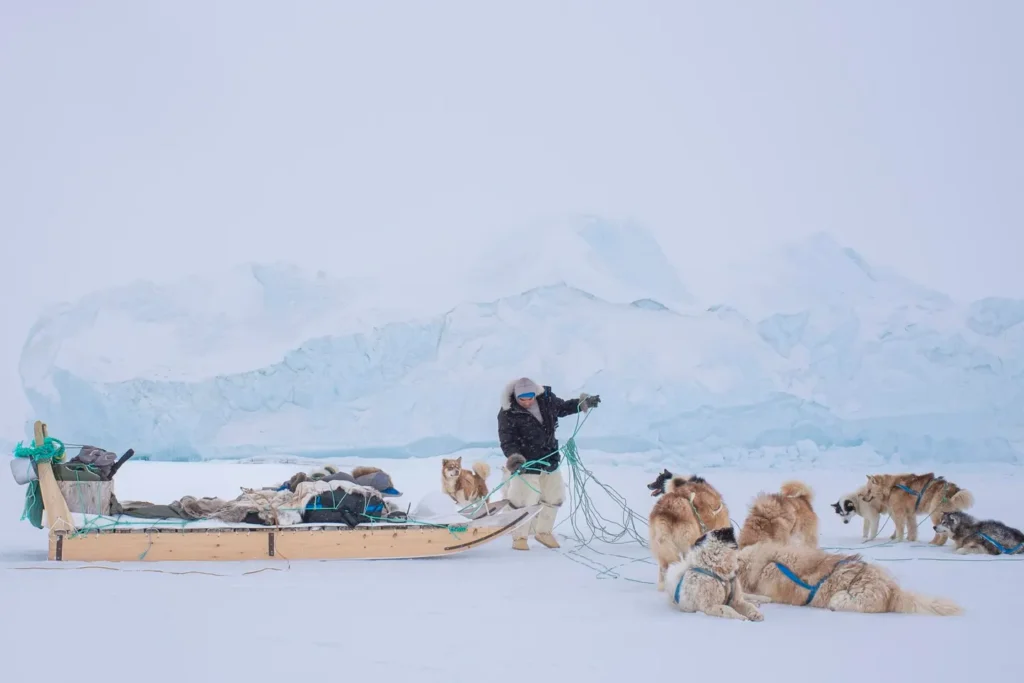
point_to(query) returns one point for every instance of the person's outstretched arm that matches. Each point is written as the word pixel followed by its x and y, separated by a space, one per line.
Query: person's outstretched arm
pixel 566 407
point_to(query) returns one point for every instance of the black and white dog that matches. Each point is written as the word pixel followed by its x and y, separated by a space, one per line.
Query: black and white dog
pixel 859 503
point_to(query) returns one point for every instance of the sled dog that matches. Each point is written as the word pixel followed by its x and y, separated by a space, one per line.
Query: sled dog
pixel 782 517
pixel 980 536
pixel 798 575
pixel 909 495
pixel 856 503
pixel 704 580
pixel 464 486
pixel 689 507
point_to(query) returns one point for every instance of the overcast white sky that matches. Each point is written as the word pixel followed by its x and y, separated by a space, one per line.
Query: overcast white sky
pixel 156 137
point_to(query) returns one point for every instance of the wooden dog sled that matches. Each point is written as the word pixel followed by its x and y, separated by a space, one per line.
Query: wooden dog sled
pixel 148 540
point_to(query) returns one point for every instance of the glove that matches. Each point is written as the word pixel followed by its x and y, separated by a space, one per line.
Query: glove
pixel 514 462
pixel 587 401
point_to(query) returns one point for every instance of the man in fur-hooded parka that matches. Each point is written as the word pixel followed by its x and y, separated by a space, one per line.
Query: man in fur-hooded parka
pixel 527 422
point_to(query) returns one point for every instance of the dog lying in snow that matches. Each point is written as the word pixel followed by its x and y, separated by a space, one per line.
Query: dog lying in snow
pixel 986 536
pixel 704 580
pixel 798 575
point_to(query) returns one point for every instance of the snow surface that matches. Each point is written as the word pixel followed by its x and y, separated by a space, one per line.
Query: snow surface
pixel 813 350
pixel 491 613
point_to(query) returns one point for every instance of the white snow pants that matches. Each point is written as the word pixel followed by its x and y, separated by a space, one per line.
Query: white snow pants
pixel 545 488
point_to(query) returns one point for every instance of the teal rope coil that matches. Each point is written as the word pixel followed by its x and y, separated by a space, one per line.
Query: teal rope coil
pixel 587 523
pixel 47 452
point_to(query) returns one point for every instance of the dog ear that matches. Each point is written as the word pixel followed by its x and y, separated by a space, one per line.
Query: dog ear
pixel 725 535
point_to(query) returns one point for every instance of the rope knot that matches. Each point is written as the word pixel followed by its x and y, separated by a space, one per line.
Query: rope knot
pixel 47 452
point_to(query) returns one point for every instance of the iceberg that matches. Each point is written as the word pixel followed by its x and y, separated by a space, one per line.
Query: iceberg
pixel 819 351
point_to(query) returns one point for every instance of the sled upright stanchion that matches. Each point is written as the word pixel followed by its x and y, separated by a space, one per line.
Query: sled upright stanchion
pixel 55 507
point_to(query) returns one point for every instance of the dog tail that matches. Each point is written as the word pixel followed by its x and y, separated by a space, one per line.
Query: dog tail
pixel 962 499
pixel 482 469
pixel 796 489
pixel 906 602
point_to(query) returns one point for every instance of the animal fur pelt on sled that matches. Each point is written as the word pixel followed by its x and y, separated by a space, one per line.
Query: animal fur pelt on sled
pixel 364 475
pixel 273 508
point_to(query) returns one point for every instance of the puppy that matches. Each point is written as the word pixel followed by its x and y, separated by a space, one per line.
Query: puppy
pixel 802 576
pixel 464 486
pixel 782 517
pixel 704 580
pixel 987 536
pixel 689 508
pixel 909 495
pixel 856 503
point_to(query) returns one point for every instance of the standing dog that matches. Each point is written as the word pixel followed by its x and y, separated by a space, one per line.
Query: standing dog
pixel 909 495
pixel 705 580
pixel 802 576
pixel 689 508
pixel 986 536
pixel 464 486
pixel 859 503
pixel 781 517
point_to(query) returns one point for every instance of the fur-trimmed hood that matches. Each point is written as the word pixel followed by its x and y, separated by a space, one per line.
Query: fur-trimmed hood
pixel 507 397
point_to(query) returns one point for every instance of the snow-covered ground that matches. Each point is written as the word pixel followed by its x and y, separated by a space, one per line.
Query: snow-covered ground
pixel 491 614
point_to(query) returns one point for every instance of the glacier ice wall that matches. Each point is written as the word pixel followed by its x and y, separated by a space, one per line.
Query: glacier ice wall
pixel 270 360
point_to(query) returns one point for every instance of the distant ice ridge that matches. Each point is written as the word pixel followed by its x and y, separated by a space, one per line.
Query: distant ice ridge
pixel 820 351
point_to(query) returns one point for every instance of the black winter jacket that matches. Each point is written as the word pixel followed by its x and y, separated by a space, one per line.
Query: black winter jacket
pixel 520 432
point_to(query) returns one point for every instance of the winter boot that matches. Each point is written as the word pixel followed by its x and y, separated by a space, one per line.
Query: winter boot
pixel 547 539
pixel 519 544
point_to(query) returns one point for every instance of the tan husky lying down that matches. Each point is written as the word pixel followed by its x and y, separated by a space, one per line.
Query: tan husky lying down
pixel 803 576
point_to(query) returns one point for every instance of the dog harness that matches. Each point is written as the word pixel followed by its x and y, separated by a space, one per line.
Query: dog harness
pixel 703 527
pixel 730 585
pixel 1002 550
pixel 788 573
pixel 924 488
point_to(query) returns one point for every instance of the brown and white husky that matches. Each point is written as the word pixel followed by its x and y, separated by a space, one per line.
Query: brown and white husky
pixel 689 508
pixel 464 486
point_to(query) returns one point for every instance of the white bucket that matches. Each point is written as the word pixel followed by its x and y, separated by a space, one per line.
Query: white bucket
pixel 23 470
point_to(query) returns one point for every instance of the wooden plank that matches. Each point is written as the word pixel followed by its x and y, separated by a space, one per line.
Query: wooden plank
pixel 366 543
pixel 58 516
pixel 283 543
pixel 160 546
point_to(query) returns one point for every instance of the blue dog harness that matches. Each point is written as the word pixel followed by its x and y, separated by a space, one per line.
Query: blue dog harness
pixel 730 585
pixel 1002 550
pixel 788 573
pixel 924 488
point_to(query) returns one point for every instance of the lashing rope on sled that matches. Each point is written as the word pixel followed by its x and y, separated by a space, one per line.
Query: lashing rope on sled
pixel 101 522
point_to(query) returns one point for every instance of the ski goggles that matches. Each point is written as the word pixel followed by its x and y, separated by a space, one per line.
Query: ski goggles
pixel 527 395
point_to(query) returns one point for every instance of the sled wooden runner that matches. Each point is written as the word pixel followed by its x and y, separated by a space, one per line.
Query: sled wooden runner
pixel 364 542
pixel 145 543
